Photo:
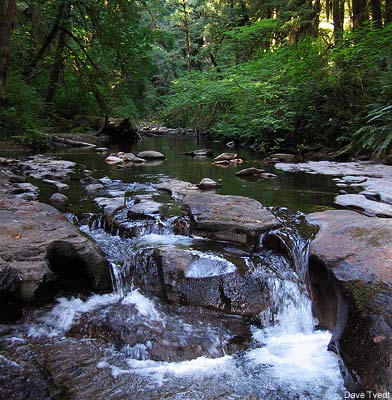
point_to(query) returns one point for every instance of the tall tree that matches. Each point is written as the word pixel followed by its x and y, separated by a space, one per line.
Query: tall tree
pixel 7 22
pixel 376 13
pixel 359 13
pixel 65 8
pixel 388 11
pixel 338 19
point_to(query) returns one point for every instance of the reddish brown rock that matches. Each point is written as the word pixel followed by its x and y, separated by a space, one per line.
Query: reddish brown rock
pixel 351 278
pixel 231 218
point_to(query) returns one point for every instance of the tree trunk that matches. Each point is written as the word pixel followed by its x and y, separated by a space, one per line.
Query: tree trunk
pixel 388 11
pixel 48 40
pixel 338 19
pixel 317 10
pixel 185 20
pixel 359 13
pixel 58 59
pixel 7 22
pixel 376 13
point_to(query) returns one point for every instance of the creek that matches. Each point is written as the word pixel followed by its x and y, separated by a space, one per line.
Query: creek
pixel 179 351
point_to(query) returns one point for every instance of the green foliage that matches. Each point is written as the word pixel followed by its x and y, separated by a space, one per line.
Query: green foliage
pixel 306 93
pixel 34 139
pixel 376 135
pixel 23 109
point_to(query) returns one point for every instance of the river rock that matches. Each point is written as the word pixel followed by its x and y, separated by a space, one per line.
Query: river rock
pixel 354 179
pixel 188 277
pixel 151 155
pixel 370 207
pixel 144 209
pixel 58 199
pixel 42 167
pixel 226 157
pixel 230 144
pixel 25 368
pixel 233 218
pixel 268 175
pixel 252 171
pixel 208 184
pixel 131 158
pixel 156 334
pixel 30 233
pixel 94 187
pixel 351 279
pixel 113 160
pixel 379 176
pixel 56 184
pixel 178 189
pixel 110 205
pixel 198 153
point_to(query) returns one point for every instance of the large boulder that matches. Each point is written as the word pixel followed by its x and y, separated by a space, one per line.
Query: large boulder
pixel 47 253
pixel 351 278
pixel 233 218
pixel 195 278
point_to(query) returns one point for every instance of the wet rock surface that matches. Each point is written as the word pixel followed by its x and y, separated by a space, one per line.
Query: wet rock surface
pixel 177 188
pixel 199 153
pixel 226 157
pixel 39 248
pixel 151 155
pixel 252 171
pixel 351 277
pixel 169 334
pixel 231 218
pixel 58 199
pixel 144 209
pixel 373 177
pixel 42 167
pixel 360 202
pixel 93 361
pixel 208 184
pixel 211 281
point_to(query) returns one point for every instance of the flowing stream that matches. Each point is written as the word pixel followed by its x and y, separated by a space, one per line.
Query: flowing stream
pixel 285 356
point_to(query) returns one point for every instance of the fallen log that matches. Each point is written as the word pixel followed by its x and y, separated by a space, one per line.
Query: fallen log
pixel 71 142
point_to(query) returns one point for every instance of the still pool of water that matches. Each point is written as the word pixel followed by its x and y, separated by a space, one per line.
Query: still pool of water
pixel 299 191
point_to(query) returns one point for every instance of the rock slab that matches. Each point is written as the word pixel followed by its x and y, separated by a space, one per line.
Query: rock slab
pixel 230 218
pixel 351 278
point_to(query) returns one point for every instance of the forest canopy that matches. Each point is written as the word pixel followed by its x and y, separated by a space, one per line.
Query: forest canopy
pixel 269 73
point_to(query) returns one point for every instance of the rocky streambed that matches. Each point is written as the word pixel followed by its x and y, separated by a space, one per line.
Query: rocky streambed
pixel 159 289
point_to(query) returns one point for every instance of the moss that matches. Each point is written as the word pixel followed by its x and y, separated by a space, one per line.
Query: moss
pixel 362 295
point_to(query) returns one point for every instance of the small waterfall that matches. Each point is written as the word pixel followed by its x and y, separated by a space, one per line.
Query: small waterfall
pixel 297 249
pixel 291 310
pixel 118 280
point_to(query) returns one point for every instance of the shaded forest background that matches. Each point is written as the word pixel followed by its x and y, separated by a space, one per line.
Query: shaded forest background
pixel 267 73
